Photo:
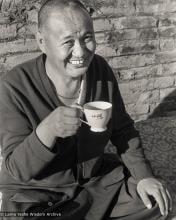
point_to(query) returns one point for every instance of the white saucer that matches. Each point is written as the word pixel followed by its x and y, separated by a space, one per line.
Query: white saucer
pixel 98 129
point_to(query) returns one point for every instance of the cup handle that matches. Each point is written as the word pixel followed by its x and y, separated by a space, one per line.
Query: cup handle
pixel 81 108
pixel 84 121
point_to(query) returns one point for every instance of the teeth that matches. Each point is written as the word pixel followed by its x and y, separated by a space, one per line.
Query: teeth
pixel 76 62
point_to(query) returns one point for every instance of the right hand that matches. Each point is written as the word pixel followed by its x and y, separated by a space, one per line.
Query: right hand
pixel 153 187
pixel 62 122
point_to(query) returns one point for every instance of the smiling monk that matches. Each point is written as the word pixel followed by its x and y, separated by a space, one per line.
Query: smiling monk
pixel 54 166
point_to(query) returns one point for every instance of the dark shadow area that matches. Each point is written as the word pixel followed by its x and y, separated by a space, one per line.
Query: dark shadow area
pixel 167 107
pixel 158 134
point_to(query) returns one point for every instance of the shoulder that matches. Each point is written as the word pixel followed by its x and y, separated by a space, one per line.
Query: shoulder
pixel 101 68
pixel 99 60
pixel 18 85
pixel 22 73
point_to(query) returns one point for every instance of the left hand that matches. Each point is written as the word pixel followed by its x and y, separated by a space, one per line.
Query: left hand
pixel 152 187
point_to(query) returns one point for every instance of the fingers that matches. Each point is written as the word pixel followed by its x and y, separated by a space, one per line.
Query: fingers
pixel 66 130
pixel 167 201
pixel 65 121
pixel 170 200
pixel 164 200
pixel 160 201
pixel 69 116
pixel 72 121
pixel 72 112
pixel 145 199
pixel 152 187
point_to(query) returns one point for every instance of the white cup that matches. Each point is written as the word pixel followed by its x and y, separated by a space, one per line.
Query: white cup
pixel 97 114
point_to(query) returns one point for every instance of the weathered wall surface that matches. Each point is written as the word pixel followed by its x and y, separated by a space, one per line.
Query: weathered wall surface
pixel 137 37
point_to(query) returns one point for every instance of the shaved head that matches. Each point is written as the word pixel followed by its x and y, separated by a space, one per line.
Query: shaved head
pixel 66 35
pixel 50 5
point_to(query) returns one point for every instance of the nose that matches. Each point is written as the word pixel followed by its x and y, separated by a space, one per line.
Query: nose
pixel 79 49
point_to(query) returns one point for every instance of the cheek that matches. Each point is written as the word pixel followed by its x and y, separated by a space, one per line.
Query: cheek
pixel 61 54
pixel 91 46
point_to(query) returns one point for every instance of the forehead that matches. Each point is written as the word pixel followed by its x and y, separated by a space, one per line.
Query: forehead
pixel 69 20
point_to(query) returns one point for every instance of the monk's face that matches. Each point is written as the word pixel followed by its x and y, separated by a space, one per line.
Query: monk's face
pixel 69 42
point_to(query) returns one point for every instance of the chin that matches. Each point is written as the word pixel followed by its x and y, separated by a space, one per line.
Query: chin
pixel 78 72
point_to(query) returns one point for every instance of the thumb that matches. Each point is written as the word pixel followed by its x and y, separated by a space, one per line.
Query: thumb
pixel 145 199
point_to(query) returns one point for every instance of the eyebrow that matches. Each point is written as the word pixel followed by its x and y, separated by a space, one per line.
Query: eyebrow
pixel 71 36
pixel 67 37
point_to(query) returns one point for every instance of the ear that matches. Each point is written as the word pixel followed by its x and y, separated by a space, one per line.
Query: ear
pixel 41 41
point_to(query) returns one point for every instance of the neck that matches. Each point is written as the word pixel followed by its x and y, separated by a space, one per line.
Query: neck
pixel 65 86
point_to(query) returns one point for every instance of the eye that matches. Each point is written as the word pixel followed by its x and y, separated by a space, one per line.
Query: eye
pixel 68 43
pixel 88 38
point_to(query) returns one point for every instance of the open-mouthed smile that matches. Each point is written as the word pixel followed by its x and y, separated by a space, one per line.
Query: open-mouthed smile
pixel 76 62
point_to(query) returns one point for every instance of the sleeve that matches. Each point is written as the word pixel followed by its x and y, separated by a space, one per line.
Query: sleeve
pixel 24 155
pixel 127 139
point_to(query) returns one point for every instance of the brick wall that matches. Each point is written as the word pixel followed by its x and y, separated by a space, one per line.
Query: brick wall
pixel 137 37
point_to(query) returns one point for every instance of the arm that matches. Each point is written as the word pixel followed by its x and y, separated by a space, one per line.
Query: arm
pixel 129 146
pixel 27 145
pixel 127 139
pixel 24 154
